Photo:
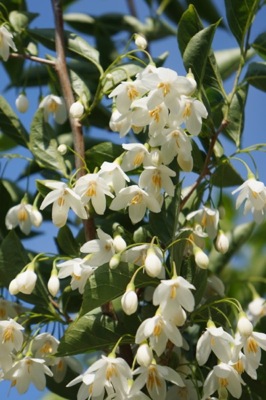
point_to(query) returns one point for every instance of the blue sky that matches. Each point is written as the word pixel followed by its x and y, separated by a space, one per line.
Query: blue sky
pixel 255 125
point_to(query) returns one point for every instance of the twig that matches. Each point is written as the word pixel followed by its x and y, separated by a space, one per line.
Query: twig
pixel 33 58
pixel 63 76
pixel 205 169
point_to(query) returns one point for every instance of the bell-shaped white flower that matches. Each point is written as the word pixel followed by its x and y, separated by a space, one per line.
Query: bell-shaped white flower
pixel 144 355
pixel 55 105
pixel 11 336
pixel 26 371
pixel 61 365
pixel 6 41
pixel 222 242
pixel 191 113
pixel 22 103
pixel 113 175
pixel 208 218
pixel 53 284
pixel 92 187
pixel 256 309
pixel 44 346
pixel 101 249
pixel 155 179
pixel 121 123
pixel 201 258
pixel 24 282
pixel 125 93
pixel 136 155
pixel 63 198
pixel 79 269
pixel 23 215
pixel 153 263
pixel 137 201
pixel 129 301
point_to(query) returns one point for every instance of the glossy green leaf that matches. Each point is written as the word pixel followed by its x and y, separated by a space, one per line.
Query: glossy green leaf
pixel 225 175
pixel 10 124
pixel 106 151
pixel 236 115
pixel 79 87
pixel 207 10
pixel 259 45
pixel 67 243
pixel 75 45
pixel 228 60
pixel 240 15
pixel 106 284
pixel 44 144
pixel 256 75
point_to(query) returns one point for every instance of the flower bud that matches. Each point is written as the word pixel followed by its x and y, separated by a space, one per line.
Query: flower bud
pixel 53 283
pixel 144 355
pixel 114 262
pixel 222 242
pixel 13 287
pixel 201 259
pixel 185 162
pixel 129 302
pixel 62 149
pixel 22 103
pixel 140 41
pixel 153 264
pixel 244 326
pixel 119 243
pixel 76 110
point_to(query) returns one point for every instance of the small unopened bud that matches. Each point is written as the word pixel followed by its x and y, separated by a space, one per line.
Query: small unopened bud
pixel 244 326
pixel 129 301
pixel 76 110
pixel 53 283
pixel 140 41
pixel 13 287
pixel 153 264
pixel 62 149
pixel 119 243
pixel 144 355
pixel 201 259
pixel 185 162
pixel 22 103
pixel 222 242
pixel 114 262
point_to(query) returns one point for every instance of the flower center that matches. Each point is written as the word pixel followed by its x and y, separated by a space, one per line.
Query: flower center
pixel 111 371
pixel 155 114
pixel 157 180
pixel 132 92
pixel 239 366
pixel 158 328
pixel 91 189
pixel 52 106
pixel 153 378
pixel 8 334
pixel 138 159
pixel 137 199
pixel 223 382
pixel 22 214
pixel 252 345
pixel 61 201
pixel 165 87
pixel 47 348
pixel 187 110
pixel 173 291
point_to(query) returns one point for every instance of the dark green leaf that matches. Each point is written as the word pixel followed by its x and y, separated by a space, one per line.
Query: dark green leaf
pixel 256 75
pixel 225 175
pixel 259 45
pixel 10 124
pixel 43 144
pixel 80 88
pixel 105 151
pixel 236 115
pixel 240 15
pixel 67 243
pixel 207 10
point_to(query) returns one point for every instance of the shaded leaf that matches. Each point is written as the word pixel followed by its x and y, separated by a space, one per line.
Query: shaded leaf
pixel 207 10
pixel 259 45
pixel 256 75
pixel 240 15
pixel 99 153
pixel 225 175
pixel 66 242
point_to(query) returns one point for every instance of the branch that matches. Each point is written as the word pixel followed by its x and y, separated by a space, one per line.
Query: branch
pixel 32 58
pixel 205 169
pixel 63 76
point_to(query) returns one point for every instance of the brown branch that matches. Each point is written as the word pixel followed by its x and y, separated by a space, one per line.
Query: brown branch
pixel 33 58
pixel 205 169
pixel 64 79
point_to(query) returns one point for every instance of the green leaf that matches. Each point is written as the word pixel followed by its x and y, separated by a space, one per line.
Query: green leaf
pixel 259 45
pixel 228 60
pixel 80 88
pixel 256 75
pixel 225 175
pixel 119 74
pixel 236 115
pixel 106 284
pixel 75 45
pixel 10 124
pixel 99 153
pixel 21 19
pixel 240 15
pixel 207 10
pixel 43 144
pixel 66 242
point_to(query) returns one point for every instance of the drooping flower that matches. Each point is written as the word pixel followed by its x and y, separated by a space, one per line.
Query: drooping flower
pixel 256 309
pixel 208 218
pixel 129 301
pixel 23 215
pixel 6 41
pixel 155 179
pixel 63 198
pixel 24 282
pixel 55 105
pixel 125 93
pixel 191 113
pixel 114 176
pixel 140 41
pixel 79 269
pixel 44 346
pixel 11 336
pixel 136 155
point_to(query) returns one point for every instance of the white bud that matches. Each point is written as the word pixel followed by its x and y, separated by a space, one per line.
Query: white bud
pixel 62 149
pixel 76 110
pixel 119 243
pixel 140 41
pixel 244 326
pixel 13 287
pixel 222 242
pixel 129 302
pixel 201 259
pixel 53 284
pixel 22 103
pixel 114 262
pixel 36 217
pixel 144 355
pixel 153 264
pixel 185 162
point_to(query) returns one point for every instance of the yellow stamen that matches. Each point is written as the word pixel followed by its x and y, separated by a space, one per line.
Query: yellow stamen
pixel 22 214
pixel 47 348
pixel 153 378
pixel 138 159
pixel 61 201
pixel 252 345
pixel 239 366
pixel 132 92
pixel 157 180
pixel 155 114
pixel 173 291
pixel 158 328
pixel 165 87
pixel 52 106
pixel 137 199
pixel 111 370
pixel 92 189
pixel 187 110
pixel 8 335
pixel 223 382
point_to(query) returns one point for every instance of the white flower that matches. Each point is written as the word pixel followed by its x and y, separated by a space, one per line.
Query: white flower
pixel 24 282
pixel 216 340
pixel 62 149
pixel 253 195
pixel 44 346
pixel 6 41
pixel 201 259
pixel 256 309
pixel 79 269
pixel 244 326
pixel 22 103
pixel 55 105
pixel 28 370
pixel 136 155
pixel 137 201
pixel 154 376
pixel 174 293
pixel 191 113
pixel 76 110
pixel 63 198
pixel 102 249
pixel 53 284
pixel 11 336
pixel 140 41
pixel 153 263
pixel 208 219
pixel 155 179
pixel 60 366
pixel 92 187
pixel 222 242
pixel 251 342
pixel 129 301
pixel 24 215
pixel 158 330
pixel 113 175
pixel 144 355
pixel 223 377
pixel 125 93
pixel 120 122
